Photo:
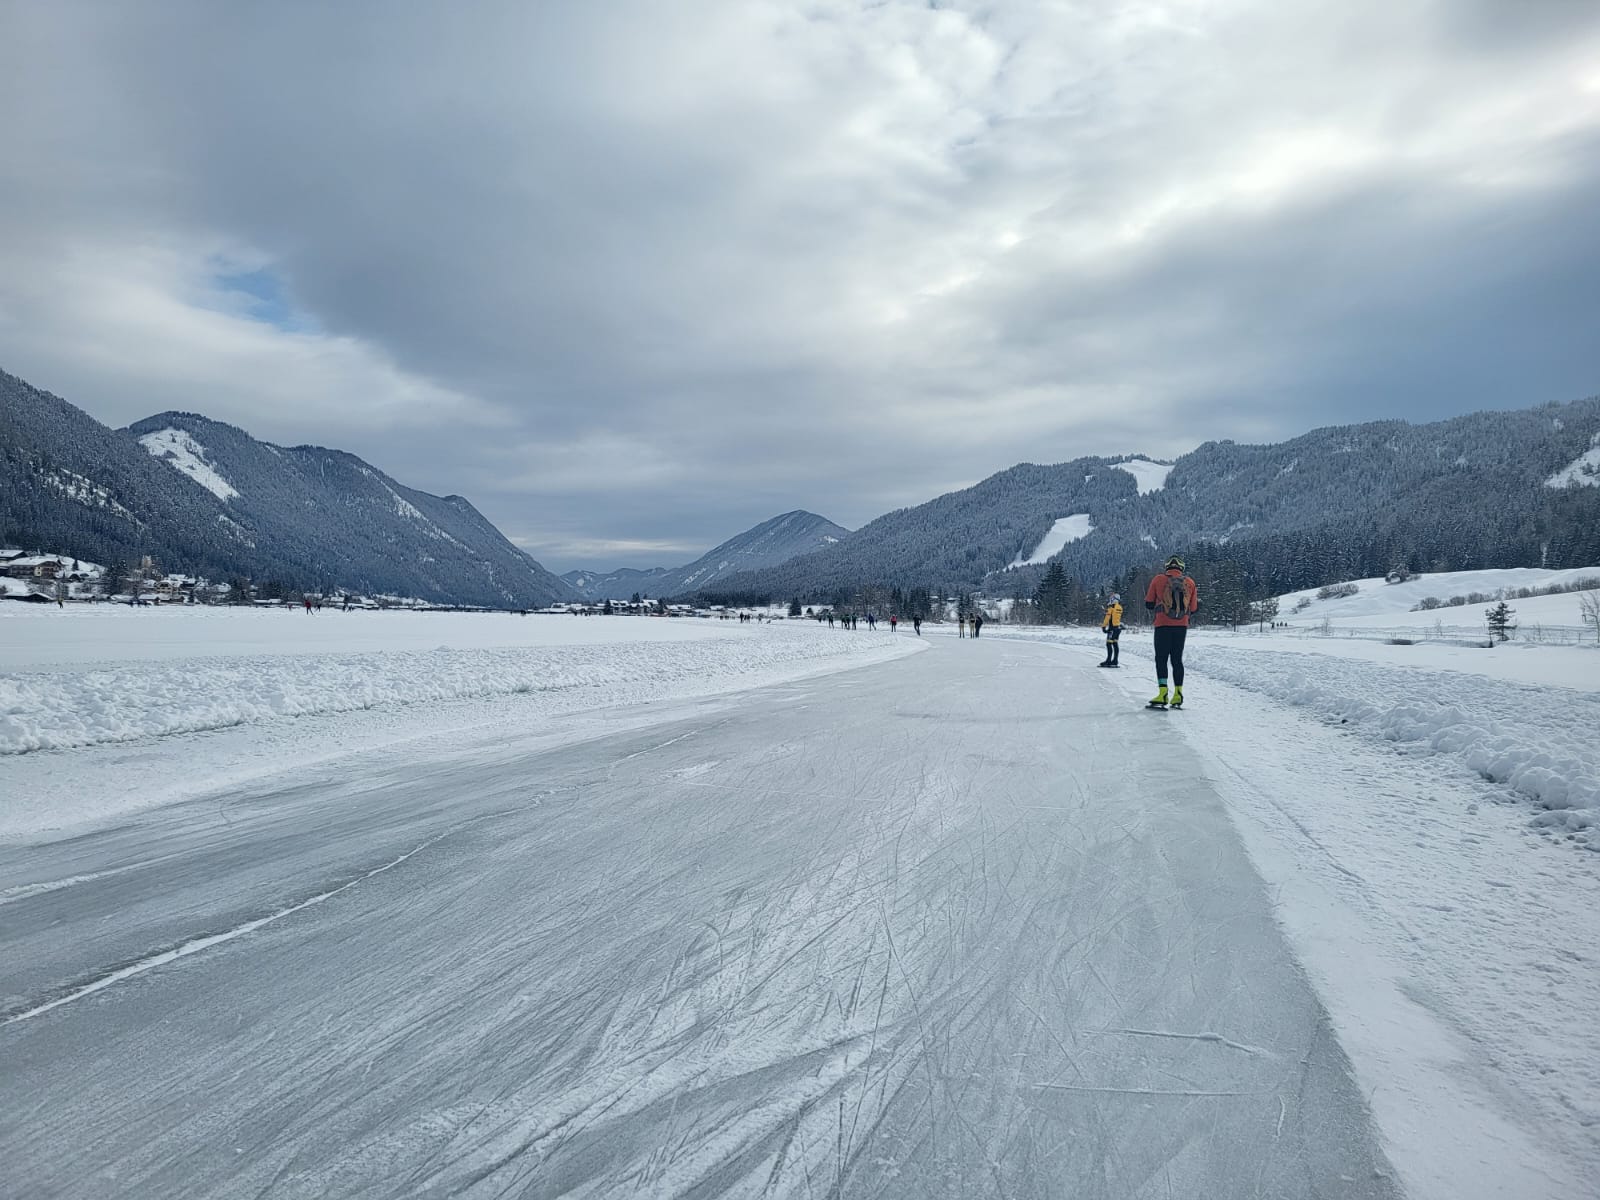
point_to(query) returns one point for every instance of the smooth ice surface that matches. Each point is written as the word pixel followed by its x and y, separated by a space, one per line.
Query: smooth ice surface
pixel 957 924
pixel 1065 530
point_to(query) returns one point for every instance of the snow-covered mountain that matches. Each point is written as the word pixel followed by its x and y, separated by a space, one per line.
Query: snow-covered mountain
pixel 767 545
pixel 1492 489
pixel 207 498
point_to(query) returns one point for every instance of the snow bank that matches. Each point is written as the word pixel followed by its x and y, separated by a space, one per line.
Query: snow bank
pixel 1539 745
pixel 74 707
pixel 1538 741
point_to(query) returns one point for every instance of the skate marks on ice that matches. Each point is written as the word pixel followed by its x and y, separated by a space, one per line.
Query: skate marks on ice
pixel 813 950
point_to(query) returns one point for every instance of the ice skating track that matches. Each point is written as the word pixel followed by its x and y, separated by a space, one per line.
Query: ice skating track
pixel 959 925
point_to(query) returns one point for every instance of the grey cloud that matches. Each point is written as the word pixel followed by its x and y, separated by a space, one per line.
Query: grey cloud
pixel 647 274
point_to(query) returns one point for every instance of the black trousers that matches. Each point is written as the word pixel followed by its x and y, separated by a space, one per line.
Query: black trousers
pixel 1169 645
pixel 1113 643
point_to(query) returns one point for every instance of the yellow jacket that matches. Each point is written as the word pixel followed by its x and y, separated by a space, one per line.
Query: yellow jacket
pixel 1113 617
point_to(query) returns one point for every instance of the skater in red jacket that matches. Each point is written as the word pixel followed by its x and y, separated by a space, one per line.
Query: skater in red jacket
pixel 1173 598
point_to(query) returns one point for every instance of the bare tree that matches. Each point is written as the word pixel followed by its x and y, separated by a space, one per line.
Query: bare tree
pixel 1589 605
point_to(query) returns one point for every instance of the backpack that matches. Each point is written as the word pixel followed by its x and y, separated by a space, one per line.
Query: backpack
pixel 1175 603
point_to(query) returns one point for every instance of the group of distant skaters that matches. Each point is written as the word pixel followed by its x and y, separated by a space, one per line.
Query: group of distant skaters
pixel 1171 598
pixel 853 620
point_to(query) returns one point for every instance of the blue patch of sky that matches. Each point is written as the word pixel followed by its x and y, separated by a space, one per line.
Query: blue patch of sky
pixel 265 299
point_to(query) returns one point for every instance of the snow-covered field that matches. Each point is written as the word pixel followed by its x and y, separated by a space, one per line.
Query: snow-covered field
pixel 1378 606
pixel 298 685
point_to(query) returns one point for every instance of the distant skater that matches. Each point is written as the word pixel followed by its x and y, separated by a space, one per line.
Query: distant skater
pixel 1111 625
pixel 963 623
pixel 977 622
pixel 916 626
pixel 894 623
pixel 872 622
pixel 1173 598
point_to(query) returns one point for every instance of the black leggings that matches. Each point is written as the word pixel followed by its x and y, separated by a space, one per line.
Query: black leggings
pixel 1169 644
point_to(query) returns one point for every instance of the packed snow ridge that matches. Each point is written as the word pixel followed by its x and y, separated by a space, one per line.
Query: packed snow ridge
pixel 1066 530
pixel 1148 476
pixel 179 449
pixel 87 704
pixel 1583 470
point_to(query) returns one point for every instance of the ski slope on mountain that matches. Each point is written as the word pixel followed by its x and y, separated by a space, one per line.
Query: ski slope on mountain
pixel 1148 476
pixel 1065 530
pixel 179 449
pixel 1584 471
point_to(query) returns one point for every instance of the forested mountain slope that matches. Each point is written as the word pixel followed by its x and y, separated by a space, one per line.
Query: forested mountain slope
pixel 327 513
pixel 202 497
pixel 71 485
pixel 768 544
pixel 1468 492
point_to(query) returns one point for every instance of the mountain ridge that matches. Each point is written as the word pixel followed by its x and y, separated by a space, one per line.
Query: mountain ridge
pixel 1461 491
pixel 771 543
pixel 205 497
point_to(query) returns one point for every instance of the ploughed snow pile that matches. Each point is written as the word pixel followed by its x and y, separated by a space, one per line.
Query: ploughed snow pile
pixel 59 709
pixel 1540 742
pixel 1065 530
pixel 1537 741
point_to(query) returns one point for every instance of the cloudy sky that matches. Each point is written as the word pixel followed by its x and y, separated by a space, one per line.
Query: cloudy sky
pixel 633 276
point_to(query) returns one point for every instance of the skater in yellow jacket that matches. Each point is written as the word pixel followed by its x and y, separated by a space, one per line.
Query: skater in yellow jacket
pixel 1111 625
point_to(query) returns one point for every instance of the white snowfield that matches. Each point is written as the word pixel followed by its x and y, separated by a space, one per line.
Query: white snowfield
pixel 1148 476
pixel 1061 533
pixel 1378 604
pixel 179 449
pixel 1583 471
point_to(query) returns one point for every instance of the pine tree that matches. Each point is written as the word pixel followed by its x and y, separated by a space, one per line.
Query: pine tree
pixel 1054 596
pixel 1499 621
pixel 1264 610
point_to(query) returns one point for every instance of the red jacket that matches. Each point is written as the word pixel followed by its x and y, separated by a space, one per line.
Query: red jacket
pixel 1157 592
